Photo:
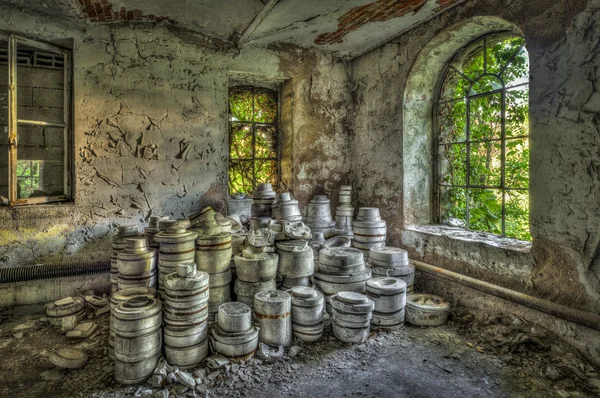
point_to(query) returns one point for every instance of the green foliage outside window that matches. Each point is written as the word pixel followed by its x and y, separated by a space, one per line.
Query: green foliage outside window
pixel 483 138
pixel 28 177
pixel 253 156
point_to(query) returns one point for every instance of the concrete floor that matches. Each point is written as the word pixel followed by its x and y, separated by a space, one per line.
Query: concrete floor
pixel 460 359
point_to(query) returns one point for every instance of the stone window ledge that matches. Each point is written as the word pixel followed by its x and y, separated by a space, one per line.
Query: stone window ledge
pixel 461 234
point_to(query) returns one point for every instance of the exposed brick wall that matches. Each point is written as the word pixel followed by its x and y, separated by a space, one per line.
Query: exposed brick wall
pixel 102 11
pixel 378 11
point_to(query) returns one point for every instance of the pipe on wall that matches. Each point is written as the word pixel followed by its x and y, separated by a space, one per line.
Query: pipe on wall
pixel 57 270
pixel 583 318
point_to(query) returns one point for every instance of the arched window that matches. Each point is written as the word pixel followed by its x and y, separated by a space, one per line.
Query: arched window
pixel 482 144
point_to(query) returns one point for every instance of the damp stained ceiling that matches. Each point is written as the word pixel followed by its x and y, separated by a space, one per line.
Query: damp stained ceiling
pixel 347 28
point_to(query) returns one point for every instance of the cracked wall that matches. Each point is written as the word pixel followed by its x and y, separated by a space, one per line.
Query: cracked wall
pixel 150 109
pixel 562 42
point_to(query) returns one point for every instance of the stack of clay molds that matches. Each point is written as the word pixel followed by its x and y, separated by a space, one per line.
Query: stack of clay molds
pixel 152 229
pixel 120 297
pixel 392 262
pixel 286 208
pixel 239 205
pixel 213 256
pixel 256 271
pixel 138 338
pixel 238 240
pixel 119 242
pixel 272 309
pixel 263 198
pixel 344 213
pixel 176 246
pixel 341 269
pixel 136 264
pixel 369 230
pixel 296 263
pixel 205 222
pixel 234 334
pixel 308 307
pixel 389 296
pixel 185 315
pixel 352 314
pixel 318 215
pixel 69 310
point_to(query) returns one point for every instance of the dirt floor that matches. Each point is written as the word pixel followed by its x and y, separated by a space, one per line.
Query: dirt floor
pixel 468 357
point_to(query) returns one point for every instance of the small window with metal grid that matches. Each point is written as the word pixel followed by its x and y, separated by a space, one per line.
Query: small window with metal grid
pixel 482 147
pixel 253 138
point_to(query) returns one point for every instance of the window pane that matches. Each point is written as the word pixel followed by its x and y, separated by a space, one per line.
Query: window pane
pixel 44 149
pixel 486 117
pixel 240 176
pixel 3 121
pixel 517 71
pixel 517 112
pixel 266 171
pixel 486 163
pixel 265 106
pixel 266 142
pixel 452 163
pixel 485 84
pixel 500 50
pixel 452 121
pixel 240 105
pixel 517 215
pixel 517 163
pixel 453 206
pixel 240 144
pixel 454 86
pixel 485 210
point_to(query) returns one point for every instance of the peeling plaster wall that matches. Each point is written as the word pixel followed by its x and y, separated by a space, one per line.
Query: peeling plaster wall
pixel 150 133
pixel 562 39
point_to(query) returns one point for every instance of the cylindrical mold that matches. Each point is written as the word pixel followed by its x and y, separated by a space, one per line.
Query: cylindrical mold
pixel 234 317
pixel 119 242
pixel 388 294
pixel 272 309
pixel 187 357
pixel 138 338
pixel 289 283
pixel 247 290
pixel 176 246
pixel 258 269
pixel 236 345
pixel 219 291
pixel 426 310
pixel 318 214
pixel 239 205
pixel 351 316
pixel 152 229
pixel 295 259
pixel 308 307
pixel 213 253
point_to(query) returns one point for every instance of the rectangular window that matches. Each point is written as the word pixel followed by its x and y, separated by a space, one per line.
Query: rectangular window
pixel 253 138
pixel 35 121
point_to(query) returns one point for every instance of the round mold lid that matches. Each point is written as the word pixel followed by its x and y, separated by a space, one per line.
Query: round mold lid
pixel 386 285
pixel 352 298
pixel 68 358
pixel 273 296
pixel 234 308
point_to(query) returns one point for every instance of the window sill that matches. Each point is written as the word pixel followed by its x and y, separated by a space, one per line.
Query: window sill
pixel 461 234
pixel 34 211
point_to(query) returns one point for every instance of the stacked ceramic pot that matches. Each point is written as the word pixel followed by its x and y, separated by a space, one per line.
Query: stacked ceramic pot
pixel 389 296
pixel 213 256
pixel 296 263
pixel 68 307
pixel 239 205
pixel 152 229
pixel 256 271
pixel 392 262
pixel 138 338
pixel 344 213
pixel 272 309
pixel 369 229
pixel 176 246
pixel 341 269
pixel 352 314
pixel 308 307
pixel 286 208
pixel 205 222
pixel 318 215
pixel 136 264
pixel 120 297
pixel 185 316
pixel 234 335
pixel 119 242
pixel 263 198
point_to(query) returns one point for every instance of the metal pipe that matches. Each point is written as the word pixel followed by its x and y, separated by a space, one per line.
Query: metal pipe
pixel 56 270
pixel 583 318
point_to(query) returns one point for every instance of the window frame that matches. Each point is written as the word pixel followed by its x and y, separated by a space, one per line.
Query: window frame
pixel 13 122
pixel 253 159
pixel 437 144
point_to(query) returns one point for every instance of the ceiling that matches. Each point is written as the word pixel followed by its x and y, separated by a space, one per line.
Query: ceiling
pixel 347 28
